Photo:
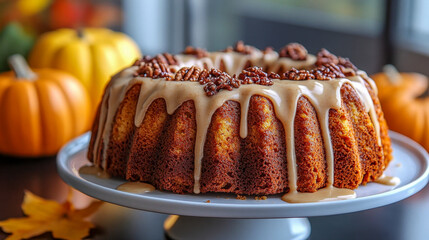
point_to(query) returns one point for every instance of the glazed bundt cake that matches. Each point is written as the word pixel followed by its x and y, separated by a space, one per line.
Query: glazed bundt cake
pixel 242 121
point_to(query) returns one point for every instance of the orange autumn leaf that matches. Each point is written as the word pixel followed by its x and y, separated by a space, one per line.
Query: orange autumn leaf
pixel 42 215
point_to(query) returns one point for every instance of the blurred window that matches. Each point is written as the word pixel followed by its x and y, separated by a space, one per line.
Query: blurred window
pixel 419 24
pixel 363 16
pixel 413 30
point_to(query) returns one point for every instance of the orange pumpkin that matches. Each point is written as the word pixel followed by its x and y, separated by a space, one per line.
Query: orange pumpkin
pixel 405 107
pixel 40 110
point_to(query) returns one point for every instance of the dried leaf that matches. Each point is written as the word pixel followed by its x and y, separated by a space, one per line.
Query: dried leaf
pixel 71 229
pixel 36 207
pixel 63 220
pixel 22 228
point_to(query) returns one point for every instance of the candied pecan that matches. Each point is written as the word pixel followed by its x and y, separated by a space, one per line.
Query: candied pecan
pixel 171 60
pixel 348 72
pixel 235 82
pixel 203 78
pixel 188 74
pixel 345 63
pixel 228 49
pixel 268 50
pixel 164 58
pixel 153 70
pixel 216 80
pixel 210 89
pixel 294 51
pixel 254 75
pixel 137 62
pixel 141 61
pixel 273 75
pixel 326 72
pixel 295 74
pixel 325 57
pixel 198 52
pixel 240 47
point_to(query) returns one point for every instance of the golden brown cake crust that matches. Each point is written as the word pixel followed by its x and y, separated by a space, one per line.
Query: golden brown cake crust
pixel 122 134
pixel 263 163
pixel 384 130
pixel 347 168
pixel 174 166
pixel 310 154
pixel 370 153
pixel 222 151
pixel 146 142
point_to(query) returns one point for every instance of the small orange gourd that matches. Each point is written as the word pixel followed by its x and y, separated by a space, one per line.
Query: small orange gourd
pixel 405 104
pixel 40 110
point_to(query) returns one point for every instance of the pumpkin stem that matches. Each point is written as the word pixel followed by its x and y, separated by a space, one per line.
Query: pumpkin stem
pixel 79 32
pixel 20 67
pixel 392 74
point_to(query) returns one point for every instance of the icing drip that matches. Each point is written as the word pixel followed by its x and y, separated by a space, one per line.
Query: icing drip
pixel 388 180
pixel 116 90
pixel 93 170
pixel 136 187
pixel 322 195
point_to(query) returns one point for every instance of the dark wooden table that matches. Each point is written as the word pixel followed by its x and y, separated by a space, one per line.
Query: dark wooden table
pixel 407 219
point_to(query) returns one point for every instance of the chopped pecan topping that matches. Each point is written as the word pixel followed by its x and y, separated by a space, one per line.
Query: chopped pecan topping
pixel 295 74
pixel 228 49
pixel 268 50
pixel 294 51
pixel 327 67
pixel 213 80
pixel 164 58
pixel 273 75
pixel 325 57
pixel 153 70
pixel 197 52
pixel 254 75
pixel 347 67
pixel 326 72
pixel 137 62
pixel 171 60
pixel 216 80
pixel 240 47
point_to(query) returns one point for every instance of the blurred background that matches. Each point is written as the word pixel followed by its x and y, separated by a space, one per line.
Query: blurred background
pixel 370 32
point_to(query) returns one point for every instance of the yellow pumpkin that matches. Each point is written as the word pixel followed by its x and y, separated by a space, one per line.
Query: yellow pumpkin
pixel 405 108
pixel 40 110
pixel 92 55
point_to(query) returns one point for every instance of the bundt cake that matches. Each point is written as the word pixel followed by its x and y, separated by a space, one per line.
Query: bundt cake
pixel 242 121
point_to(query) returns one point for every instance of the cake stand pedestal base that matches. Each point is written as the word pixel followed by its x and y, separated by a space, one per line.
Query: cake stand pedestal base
pixel 185 227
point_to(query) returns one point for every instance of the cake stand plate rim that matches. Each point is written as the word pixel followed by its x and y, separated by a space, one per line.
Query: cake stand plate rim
pixel 196 205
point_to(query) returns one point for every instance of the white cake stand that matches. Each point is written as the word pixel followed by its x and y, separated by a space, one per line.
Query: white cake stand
pixel 224 217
